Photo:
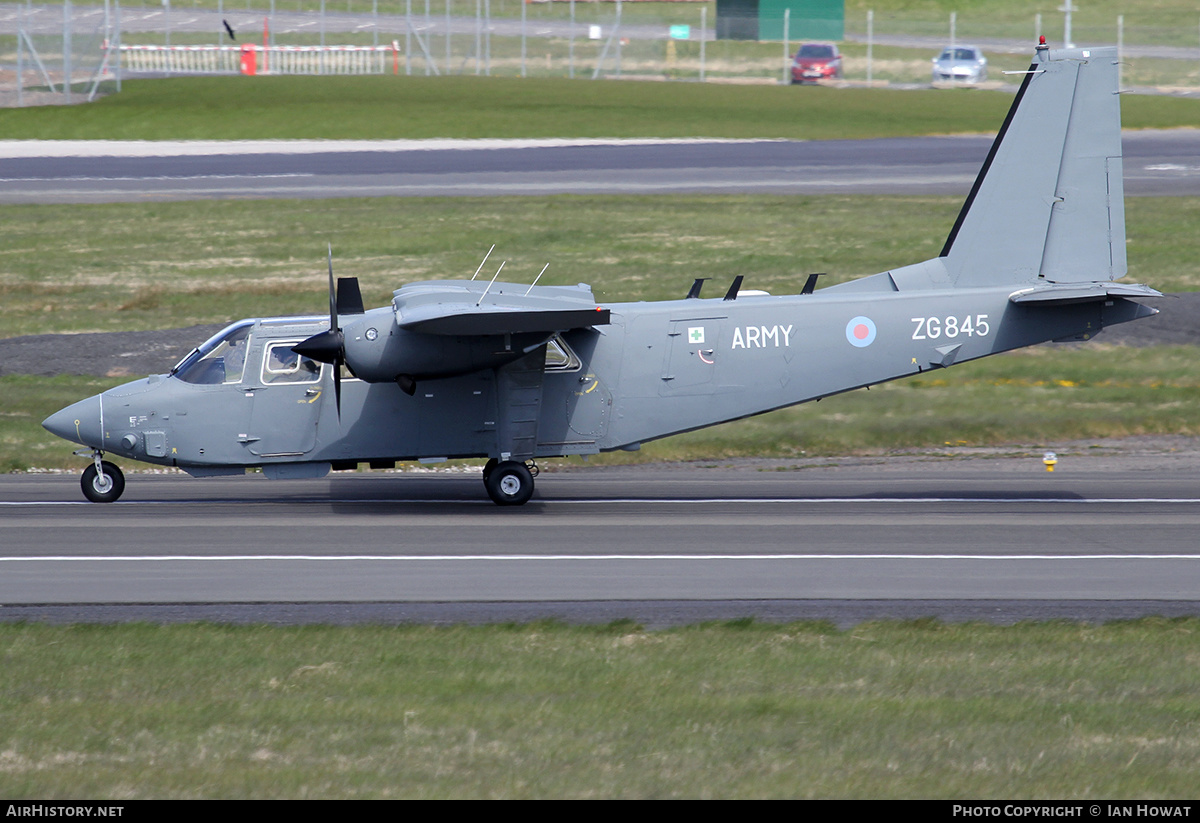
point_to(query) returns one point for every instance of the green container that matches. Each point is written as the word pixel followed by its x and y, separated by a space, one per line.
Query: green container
pixel 763 19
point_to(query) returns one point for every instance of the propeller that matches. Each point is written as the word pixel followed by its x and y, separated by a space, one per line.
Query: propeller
pixel 330 346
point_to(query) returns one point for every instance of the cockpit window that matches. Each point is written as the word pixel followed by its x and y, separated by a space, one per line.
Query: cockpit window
pixel 282 365
pixel 220 359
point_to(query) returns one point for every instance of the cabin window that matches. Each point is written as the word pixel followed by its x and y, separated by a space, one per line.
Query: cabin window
pixel 220 359
pixel 559 356
pixel 282 365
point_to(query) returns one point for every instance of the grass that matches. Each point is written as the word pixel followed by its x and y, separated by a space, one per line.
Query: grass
pixel 381 107
pixel 28 400
pixel 1030 397
pixel 734 710
pixel 131 266
pixel 165 265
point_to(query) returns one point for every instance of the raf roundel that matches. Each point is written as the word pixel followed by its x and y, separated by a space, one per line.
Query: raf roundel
pixel 860 331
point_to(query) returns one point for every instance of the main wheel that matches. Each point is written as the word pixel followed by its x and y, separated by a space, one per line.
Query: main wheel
pixel 488 468
pixel 510 484
pixel 104 486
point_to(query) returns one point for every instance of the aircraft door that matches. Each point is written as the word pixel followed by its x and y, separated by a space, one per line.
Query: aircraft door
pixel 285 402
pixel 589 406
pixel 693 352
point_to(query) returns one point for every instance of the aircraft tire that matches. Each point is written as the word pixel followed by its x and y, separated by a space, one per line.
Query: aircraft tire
pixel 102 488
pixel 488 468
pixel 510 484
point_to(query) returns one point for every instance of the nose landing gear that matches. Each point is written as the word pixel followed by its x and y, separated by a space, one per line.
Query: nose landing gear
pixel 102 481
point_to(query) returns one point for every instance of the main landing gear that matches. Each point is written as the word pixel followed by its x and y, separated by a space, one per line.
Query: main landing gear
pixel 102 482
pixel 509 483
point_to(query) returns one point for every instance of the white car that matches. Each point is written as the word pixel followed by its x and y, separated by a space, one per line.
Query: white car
pixel 960 64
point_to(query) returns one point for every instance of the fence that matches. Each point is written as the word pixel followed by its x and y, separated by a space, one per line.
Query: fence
pixel 645 40
pixel 255 59
pixel 80 59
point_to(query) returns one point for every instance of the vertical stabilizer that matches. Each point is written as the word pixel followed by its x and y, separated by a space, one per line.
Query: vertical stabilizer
pixel 1048 205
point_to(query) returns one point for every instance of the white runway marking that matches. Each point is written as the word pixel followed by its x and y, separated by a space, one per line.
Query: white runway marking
pixel 11 149
pixel 645 501
pixel 443 558
pixel 82 179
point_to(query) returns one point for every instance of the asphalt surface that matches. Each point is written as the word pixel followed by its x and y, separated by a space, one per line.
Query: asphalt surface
pixel 1110 533
pixel 1157 163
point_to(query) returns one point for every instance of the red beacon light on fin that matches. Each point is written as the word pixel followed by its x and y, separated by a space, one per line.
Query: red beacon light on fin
pixel 1042 42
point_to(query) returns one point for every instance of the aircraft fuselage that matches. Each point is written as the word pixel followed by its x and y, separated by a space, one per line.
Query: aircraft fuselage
pixel 656 369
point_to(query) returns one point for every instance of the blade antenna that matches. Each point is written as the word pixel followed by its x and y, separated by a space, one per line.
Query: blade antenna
pixel 735 287
pixel 535 280
pixel 489 285
pixel 485 257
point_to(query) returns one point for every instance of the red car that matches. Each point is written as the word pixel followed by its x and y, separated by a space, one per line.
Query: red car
pixel 815 62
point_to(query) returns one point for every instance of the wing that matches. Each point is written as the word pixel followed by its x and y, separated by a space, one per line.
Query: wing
pixel 455 307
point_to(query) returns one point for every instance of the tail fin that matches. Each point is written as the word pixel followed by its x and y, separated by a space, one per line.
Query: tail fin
pixel 1048 205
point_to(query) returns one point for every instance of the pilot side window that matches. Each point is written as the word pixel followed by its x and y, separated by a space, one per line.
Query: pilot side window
pixel 282 365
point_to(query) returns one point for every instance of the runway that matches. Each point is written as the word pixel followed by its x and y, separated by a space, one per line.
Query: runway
pixel 976 539
pixel 1156 163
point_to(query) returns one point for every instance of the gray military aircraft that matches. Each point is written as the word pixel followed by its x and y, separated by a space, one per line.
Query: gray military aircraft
pixel 514 372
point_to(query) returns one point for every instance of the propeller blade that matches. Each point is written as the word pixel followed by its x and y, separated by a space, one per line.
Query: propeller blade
pixel 333 318
pixel 337 387
pixel 329 346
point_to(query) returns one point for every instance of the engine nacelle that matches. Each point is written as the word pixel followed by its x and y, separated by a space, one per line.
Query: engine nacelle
pixel 377 350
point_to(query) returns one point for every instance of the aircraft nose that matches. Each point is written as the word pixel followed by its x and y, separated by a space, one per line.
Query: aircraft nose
pixel 79 422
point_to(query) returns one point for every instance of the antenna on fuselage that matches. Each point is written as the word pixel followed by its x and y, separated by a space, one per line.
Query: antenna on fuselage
pixel 694 291
pixel 484 260
pixel 535 280
pixel 489 285
pixel 735 287
pixel 811 283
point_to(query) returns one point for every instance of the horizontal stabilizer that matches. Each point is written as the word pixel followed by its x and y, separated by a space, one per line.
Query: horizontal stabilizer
pixel 1059 295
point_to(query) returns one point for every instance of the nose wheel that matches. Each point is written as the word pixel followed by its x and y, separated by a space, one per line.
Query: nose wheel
pixel 508 483
pixel 102 482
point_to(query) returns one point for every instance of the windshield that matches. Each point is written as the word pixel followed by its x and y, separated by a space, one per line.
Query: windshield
pixel 220 359
pixel 958 54
pixel 817 51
